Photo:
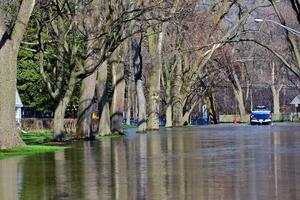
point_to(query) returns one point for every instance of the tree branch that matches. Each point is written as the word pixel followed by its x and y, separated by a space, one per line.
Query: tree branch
pixel 22 21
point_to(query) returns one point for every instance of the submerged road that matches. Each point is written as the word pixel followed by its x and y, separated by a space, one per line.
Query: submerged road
pixel 203 163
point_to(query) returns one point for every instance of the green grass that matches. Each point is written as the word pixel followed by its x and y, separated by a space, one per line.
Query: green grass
pixel 36 138
pixel 296 120
pixel 108 137
pixel 28 150
pixel 129 126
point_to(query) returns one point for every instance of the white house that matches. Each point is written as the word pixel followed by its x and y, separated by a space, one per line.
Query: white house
pixel 19 106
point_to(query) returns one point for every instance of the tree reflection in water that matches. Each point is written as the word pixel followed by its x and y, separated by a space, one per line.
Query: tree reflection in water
pixel 223 162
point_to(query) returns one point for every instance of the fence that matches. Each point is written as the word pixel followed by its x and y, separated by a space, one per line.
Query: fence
pixel 42 124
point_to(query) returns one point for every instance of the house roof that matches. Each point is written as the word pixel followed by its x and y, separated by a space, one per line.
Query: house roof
pixel 296 100
pixel 19 103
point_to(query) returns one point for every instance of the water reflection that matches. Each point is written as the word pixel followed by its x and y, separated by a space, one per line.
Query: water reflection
pixel 224 162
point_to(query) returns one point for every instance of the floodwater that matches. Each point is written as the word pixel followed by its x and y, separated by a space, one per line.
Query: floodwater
pixel 203 163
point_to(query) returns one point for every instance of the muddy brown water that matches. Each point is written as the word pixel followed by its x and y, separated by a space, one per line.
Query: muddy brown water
pixel 222 162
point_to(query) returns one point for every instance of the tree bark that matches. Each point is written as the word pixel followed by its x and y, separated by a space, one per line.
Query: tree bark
pixel 103 106
pixel 86 107
pixel 138 74
pixel 177 93
pixel 142 116
pixel 155 48
pixel 276 100
pixel 117 105
pixel 238 94
pixel 240 100
pixel 60 110
pixel 129 102
pixel 9 47
pixel 169 119
pixel 86 104
pixel 275 92
pixel 9 136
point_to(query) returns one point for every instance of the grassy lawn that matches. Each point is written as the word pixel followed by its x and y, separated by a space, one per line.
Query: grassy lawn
pixel 35 144
pixel 27 150
pixel 107 137
pixel 36 138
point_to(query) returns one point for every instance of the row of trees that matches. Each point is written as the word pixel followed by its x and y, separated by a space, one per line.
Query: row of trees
pixel 146 58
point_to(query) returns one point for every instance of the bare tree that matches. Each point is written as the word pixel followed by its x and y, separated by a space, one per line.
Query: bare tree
pixel 69 28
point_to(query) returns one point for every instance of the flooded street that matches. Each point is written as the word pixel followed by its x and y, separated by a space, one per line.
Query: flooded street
pixel 203 163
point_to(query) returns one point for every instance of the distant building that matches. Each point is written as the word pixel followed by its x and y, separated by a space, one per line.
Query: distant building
pixel 296 101
pixel 19 106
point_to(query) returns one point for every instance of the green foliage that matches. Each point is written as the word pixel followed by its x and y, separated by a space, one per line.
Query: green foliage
pixel 28 150
pixel 36 138
pixel 29 83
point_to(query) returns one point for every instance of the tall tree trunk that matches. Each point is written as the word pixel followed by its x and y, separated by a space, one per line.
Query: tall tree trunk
pixel 130 91
pixel 212 109
pixel 177 98
pixel 129 103
pixel 9 136
pixel 276 100
pixel 117 105
pixel 9 47
pixel 275 92
pixel 238 93
pixel 103 106
pixel 138 74
pixel 142 116
pixel 85 110
pixel 84 123
pixel 155 48
pixel 169 122
pixel 60 110
pixel 187 114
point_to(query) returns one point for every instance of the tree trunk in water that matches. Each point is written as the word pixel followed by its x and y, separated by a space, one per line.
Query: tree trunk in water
pixel 177 112
pixel 9 47
pixel 117 105
pixel 59 116
pixel 176 94
pixel 276 100
pixel 209 101
pixel 104 124
pixel 138 74
pixel 275 93
pixel 276 104
pixel 185 119
pixel 60 109
pixel 238 93
pixel 169 122
pixel 103 106
pixel 212 109
pixel 142 119
pixel 128 116
pixel 130 89
pixel 155 47
pixel 86 105
pixel 9 136
pixel 186 116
